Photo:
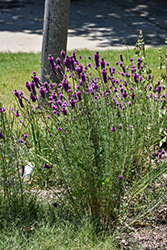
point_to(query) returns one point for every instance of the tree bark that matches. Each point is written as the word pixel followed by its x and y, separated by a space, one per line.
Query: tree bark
pixel 55 28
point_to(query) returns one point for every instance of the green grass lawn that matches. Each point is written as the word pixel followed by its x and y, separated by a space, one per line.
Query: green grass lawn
pixel 16 69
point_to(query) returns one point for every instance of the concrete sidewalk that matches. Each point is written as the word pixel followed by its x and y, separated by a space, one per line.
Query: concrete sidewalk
pixel 94 24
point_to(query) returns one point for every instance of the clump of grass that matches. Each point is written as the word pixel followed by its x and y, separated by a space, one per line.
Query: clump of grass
pixel 90 134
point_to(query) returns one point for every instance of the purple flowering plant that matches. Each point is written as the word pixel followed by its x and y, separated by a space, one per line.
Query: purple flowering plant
pixel 92 131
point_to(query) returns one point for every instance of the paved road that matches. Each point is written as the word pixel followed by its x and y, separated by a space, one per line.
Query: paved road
pixel 93 24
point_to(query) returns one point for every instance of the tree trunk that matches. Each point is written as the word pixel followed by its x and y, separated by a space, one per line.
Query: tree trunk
pixel 55 28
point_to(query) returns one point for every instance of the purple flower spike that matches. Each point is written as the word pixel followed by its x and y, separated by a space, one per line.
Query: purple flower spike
pixel 51 61
pixel 33 97
pixel 2 109
pixel 72 102
pixel 159 89
pixel 54 95
pixel 102 63
pixel 104 74
pixel 78 94
pixel 121 64
pixel 21 103
pixel 58 68
pixel 32 84
pixel 65 84
pixel 123 68
pixel 58 61
pixel 82 76
pixel 160 156
pixel 74 55
pixel 59 102
pixel 25 136
pixel 36 80
pixel 133 95
pixel 42 92
pixel 135 78
pixel 120 126
pixel 1 136
pixel 79 70
pixel 133 70
pixel 149 77
pixel 113 129
pixel 71 61
pixel 121 57
pixel 46 165
pixel 64 110
pixel 120 178
pixel 55 204
pixel 16 93
pixel 28 86
pixel 12 109
pixel 96 57
pixel 140 78
pixel 61 96
pixel 122 88
pixel 63 54
pixel 126 84
pixel 138 64
pixel 67 62
pixel 17 113
pixel 124 94
pixel 20 141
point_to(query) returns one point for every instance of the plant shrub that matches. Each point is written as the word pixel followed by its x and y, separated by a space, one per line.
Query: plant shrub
pixel 91 134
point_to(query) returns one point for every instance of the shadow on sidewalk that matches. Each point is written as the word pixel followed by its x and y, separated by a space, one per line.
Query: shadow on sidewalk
pixel 108 22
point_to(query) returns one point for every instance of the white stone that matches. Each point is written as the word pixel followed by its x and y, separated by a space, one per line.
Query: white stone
pixel 28 170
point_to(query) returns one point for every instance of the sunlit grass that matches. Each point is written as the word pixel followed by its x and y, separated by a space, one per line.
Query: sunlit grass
pixel 16 69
